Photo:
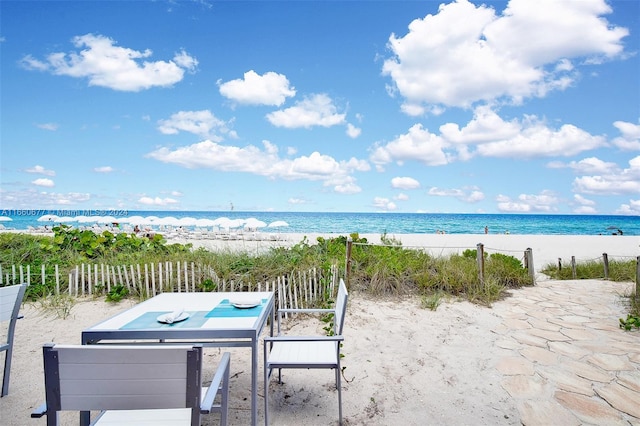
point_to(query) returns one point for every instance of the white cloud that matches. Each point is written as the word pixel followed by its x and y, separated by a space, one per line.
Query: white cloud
pixel 202 123
pixel 157 201
pixel 525 52
pixel 404 183
pixel 385 204
pixel 583 205
pixel 585 210
pixel 469 195
pixel 353 131
pixel 317 110
pixel 48 126
pixel 545 202
pixel 633 208
pixel 630 139
pixel 401 197
pixel 33 198
pixel 40 170
pixel 266 162
pixel 268 89
pixel 103 169
pixel 613 181
pixel 105 64
pixel 297 201
pixel 418 144
pixel 486 135
pixel 579 199
pixel 486 126
pixel 588 165
pixel 535 139
pixel 44 182
pixel 347 188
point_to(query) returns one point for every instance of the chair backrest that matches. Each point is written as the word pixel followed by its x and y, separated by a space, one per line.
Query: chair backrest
pixel 114 377
pixel 10 301
pixel 341 307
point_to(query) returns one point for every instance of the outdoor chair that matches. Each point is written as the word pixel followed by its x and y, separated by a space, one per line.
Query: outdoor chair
pixel 286 351
pixel 10 302
pixel 131 385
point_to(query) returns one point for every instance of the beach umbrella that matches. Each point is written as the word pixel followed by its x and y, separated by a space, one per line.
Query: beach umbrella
pixel 278 224
pixel 253 223
pixel 235 223
pixel 221 221
pixel 67 219
pixel 205 222
pixel 85 219
pixel 134 220
pixel 187 221
pixel 48 218
pixel 5 219
pixel 167 220
pixel 151 220
pixel 105 219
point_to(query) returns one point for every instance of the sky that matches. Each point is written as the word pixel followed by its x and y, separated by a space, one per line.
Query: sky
pixel 350 106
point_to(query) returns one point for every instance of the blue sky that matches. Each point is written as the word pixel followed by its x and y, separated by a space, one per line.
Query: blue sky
pixel 360 106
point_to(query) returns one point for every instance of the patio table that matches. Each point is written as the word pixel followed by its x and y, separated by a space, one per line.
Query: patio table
pixel 213 321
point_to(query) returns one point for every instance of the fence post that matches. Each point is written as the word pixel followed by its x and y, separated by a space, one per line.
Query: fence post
pixel 528 258
pixel 573 268
pixel 480 260
pixel 559 264
pixel 347 271
pixel 638 276
pixel 605 260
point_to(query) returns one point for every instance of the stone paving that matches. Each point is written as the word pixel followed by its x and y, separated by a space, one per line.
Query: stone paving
pixel 567 361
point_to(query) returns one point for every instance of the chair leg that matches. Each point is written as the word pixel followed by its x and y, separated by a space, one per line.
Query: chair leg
pixel 267 375
pixel 224 399
pixel 339 387
pixel 7 371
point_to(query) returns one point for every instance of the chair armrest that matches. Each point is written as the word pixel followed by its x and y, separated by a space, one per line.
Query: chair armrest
pixel 40 411
pixel 222 371
pixel 339 338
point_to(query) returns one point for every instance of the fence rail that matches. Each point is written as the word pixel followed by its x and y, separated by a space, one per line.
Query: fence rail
pixel 295 290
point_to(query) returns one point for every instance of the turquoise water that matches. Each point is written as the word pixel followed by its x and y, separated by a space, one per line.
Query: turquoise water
pixel 378 223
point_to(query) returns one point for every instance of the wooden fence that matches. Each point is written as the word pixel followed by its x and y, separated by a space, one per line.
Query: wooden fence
pixel 295 290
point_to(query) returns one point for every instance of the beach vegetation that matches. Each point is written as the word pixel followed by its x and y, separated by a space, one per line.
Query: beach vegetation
pixel 117 293
pixel 619 270
pixel 631 322
pixel 432 301
pixel 386 268
pixel 60 305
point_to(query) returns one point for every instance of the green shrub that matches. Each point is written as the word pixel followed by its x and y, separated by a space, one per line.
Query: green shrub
pixel 117 293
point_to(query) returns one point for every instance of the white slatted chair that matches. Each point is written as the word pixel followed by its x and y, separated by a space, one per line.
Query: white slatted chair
pixel 10 302
pixel 285 351
pixel 131 385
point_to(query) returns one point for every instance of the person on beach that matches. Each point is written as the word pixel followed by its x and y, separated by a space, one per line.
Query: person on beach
pixel 486 229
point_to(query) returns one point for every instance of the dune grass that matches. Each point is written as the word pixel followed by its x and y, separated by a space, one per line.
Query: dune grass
pixel 380 269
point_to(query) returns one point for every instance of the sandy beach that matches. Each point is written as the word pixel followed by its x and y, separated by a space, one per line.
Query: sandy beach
pixel 547 354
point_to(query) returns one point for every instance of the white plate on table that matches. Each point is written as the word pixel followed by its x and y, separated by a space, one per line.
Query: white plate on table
pixel 163 318
pixel 245 304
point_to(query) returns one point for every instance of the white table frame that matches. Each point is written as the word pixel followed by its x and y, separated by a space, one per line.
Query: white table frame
pixel 216 332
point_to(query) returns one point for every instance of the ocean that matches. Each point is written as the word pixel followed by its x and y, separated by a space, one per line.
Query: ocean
pixel 363 223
